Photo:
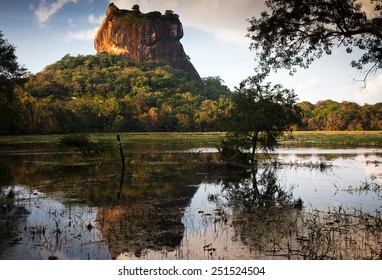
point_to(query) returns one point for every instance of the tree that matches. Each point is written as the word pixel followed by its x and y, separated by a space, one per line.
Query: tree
pixel 136 9
pixel 307 108
pixel 296 32
pixel 10 74
pixel 214 88
pixel 260 114
pixel 104 93
pixel 35 116
pixel 9 68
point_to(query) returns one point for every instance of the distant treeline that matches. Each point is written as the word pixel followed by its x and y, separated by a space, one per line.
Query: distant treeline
pixel 331 115
pixel 107 93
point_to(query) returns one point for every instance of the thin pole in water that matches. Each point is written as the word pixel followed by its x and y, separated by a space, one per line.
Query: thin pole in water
pixel 120 150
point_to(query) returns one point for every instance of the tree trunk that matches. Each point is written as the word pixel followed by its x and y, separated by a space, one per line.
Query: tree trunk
pixel 254 147
pixel 254 181
pixel 120 150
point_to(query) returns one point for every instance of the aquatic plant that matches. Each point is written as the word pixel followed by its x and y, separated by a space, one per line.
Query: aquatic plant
pixel 340 234
pixel 320 165
pixel 11 216
pixel 86 146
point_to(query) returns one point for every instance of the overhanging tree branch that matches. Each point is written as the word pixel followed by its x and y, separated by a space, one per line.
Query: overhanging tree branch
pixel 295 33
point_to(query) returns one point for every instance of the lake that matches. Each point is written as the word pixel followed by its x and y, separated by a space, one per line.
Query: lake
pixel 178 203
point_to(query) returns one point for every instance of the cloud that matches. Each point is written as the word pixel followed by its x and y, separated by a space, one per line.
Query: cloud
pixel 226 19
pixel 93 20
pixel 85 35
pixel 82 35
pixel 45 11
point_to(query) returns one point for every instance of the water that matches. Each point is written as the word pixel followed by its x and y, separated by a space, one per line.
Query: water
pixel 336 185
pixel 164 206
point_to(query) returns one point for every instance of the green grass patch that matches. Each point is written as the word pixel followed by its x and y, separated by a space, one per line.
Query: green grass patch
pixel 212 139
pixel 191 139
pixel 334 138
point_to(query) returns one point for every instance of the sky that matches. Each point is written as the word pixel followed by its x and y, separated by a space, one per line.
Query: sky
pixel 43 31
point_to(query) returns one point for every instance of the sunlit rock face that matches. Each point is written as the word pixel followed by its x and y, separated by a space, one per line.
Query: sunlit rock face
pixel 144 37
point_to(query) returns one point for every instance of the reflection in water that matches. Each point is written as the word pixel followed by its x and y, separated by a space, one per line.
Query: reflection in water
pixel 12 214
pixel 50 229
pixel 264 213
pixel 251 191
pixel 242 217
pixel 135 229
pixel 164 206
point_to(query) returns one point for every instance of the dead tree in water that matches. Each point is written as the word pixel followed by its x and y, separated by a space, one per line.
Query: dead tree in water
pixel 120 150
pixel 123 166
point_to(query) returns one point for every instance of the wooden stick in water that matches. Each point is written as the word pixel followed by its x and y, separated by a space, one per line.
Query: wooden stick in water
pixel 120 150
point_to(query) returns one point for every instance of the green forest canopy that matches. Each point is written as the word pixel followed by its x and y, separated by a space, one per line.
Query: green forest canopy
pixel 107 93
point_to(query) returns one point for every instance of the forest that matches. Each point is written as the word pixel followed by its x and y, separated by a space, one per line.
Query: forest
pixel 336 116
pixel 107 93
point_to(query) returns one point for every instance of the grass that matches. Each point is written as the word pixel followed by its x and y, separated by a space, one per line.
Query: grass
pixel 192 139
pixel 334 138
pixel 11 214
pixel 336 234
pixel 340 234
pixel 352 138
pixel 319 165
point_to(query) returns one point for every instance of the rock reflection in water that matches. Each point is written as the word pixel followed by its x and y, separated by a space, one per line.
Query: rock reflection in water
pixel 132 230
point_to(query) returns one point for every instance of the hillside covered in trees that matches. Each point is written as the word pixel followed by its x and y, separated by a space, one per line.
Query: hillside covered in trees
pixel 331 115
pixel 107 93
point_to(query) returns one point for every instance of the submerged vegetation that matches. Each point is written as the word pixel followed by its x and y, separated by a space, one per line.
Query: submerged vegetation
pixel 87 146
pixel 12 213
pixel 267 219
pixel 340 234
pixel 154 209
pixel 336 234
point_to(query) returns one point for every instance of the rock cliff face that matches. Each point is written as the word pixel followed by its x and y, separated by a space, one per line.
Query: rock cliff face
pixel 144 37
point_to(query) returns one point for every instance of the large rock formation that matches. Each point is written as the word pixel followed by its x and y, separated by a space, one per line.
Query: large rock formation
pixel 144 37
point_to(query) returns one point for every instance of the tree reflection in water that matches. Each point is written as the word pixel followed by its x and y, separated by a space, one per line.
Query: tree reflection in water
pixel 264 213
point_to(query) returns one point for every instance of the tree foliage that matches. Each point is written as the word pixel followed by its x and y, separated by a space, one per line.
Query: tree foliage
pixel 9 67
pixel 10 76
pixel 260 114
pixel 296 32
pixel 332 115
pixel 107 93
pixel 136 8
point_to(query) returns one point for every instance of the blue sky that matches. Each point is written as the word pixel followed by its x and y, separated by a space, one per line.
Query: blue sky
pixel 43 31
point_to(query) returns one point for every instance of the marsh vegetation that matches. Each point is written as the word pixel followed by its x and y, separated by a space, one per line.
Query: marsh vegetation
pixel 175 201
